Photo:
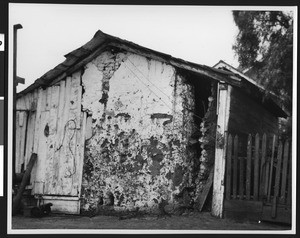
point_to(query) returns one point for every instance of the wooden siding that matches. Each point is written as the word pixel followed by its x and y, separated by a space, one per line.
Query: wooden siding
pixel 50 123
pixel 248 116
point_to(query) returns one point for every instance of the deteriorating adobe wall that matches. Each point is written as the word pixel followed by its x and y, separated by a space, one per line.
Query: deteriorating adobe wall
pixel 207 141
pixel 138 129
pixel 208 128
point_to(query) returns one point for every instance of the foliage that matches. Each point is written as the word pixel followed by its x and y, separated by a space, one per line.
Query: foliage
pixel 264 46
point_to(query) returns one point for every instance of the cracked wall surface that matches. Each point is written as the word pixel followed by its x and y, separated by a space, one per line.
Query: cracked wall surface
pixel 139 125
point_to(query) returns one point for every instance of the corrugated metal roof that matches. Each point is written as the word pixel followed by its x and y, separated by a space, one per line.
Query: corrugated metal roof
pixel 76 58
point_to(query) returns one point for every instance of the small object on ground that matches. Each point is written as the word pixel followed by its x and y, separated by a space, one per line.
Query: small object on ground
pixel 43 210
pixel 46 208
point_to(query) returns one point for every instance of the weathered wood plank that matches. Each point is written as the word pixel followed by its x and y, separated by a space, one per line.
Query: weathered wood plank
pixel 39 108
pixel 52 159
pixel 42 153
pixel 80 151
pixel 65 152
pixel 17 142
pixel 235 167
pixel 36 137
pixel 61 111
pixel 29 143
pixel 284 171
pixel 48 98
pixel 28 99
pixel 34 100
pixel 263 167
pixel 54 109
pixel 220 151
pixel 20 104
pixel 248 171
pixel 278 170
pixel 23 138
pixel 271 168
pixel 75 99
pixel 228 167
pixel 241 183
pixel 203 196
pixel 21 118
pixel 73 129
pixel 256 168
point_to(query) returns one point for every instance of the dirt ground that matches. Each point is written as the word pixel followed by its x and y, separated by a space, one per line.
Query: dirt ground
pixel 193 221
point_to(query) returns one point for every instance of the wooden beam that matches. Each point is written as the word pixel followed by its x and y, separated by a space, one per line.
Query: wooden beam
pixel 224 92
pixel 203 196
pixel 17 198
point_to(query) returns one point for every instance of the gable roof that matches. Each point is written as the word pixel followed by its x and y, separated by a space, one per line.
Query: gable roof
pixel 101 41
pixel 272 96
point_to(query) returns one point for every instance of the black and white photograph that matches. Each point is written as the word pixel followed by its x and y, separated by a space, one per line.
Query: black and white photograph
pixel 151 119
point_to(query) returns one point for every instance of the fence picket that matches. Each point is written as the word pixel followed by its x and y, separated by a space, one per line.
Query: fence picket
pixel 278 170
pixel 289 195
pixel 284 171
pixel 241 183
pixel 235 160
pixel 259 175
pixel 228 167
pixel 263 166
pixel 271 168
pixel 248 171
pixel 256 168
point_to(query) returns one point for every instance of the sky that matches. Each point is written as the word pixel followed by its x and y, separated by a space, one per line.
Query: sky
pixel 198 34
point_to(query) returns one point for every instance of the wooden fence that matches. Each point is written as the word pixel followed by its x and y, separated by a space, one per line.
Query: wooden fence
pixel 258 168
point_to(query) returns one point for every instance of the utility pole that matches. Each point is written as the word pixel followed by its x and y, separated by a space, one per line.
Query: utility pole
pixel 16 81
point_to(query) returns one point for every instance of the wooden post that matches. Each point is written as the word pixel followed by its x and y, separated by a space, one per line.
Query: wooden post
pixel 224 92
pixel 18 197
